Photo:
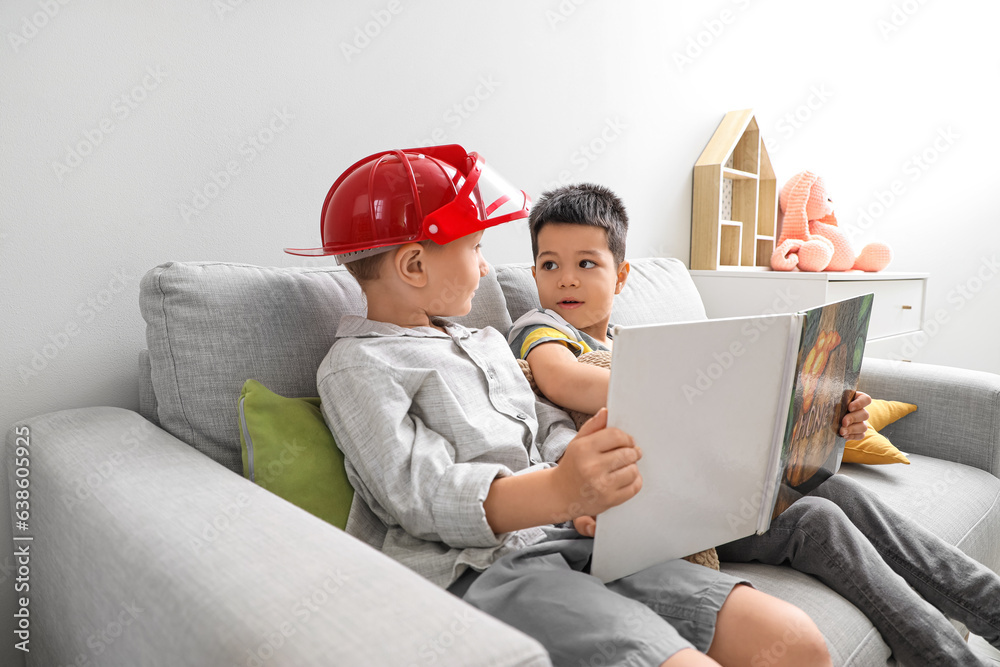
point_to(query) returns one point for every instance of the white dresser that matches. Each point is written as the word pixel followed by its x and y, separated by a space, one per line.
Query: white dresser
pixel 897 312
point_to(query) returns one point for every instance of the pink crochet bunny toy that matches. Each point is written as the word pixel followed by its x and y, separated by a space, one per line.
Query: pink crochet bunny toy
pixel 810 238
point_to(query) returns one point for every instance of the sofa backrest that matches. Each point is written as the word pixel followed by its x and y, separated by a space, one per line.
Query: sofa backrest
pixel 211 326
pixel 657 290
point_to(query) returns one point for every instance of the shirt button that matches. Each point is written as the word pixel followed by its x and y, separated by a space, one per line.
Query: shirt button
pixel 491 375
pixel 521 415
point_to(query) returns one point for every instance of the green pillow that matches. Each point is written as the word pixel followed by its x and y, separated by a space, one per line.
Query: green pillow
pixel 288 450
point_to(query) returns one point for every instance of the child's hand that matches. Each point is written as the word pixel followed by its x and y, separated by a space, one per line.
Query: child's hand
pixel 598 469
pixel 585 525
pixel 853 425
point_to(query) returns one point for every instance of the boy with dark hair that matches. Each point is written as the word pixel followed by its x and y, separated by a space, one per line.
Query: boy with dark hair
pixel 454 461
pixel 583 229
pixel 584 204
pixel 841 532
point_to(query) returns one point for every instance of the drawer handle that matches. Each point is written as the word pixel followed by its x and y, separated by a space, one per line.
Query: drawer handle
pixel 907 307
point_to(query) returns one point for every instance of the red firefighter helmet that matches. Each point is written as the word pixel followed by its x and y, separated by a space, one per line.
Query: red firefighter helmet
pixel 437 193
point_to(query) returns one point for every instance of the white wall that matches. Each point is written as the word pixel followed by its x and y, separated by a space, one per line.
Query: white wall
pixel 851 90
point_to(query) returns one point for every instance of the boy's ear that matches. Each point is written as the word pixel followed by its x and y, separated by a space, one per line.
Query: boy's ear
pixel 532 270
pixel 623 270
pixel 408 263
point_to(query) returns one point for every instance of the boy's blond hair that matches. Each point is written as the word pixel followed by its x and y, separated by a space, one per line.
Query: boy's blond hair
pixel 369 268
pixel 366 269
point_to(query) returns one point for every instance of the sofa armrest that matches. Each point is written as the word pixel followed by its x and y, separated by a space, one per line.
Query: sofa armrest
pixel 958 410
pixel 147 552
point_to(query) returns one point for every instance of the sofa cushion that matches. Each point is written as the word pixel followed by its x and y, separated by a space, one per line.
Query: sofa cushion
pixel 211 326
pixel 850 636
pixel 288 450
pixel 657 290
pixel 147 397
pixel 874 448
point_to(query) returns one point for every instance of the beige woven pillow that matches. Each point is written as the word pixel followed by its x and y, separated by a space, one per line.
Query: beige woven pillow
pixel 708 557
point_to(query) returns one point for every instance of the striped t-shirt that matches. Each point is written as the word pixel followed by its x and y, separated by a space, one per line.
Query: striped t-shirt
pixel 541 326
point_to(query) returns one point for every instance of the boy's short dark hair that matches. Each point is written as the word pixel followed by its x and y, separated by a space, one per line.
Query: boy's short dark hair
pixel 582 204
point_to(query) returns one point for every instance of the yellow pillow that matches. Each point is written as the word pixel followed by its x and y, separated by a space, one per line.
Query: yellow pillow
pixel 874 448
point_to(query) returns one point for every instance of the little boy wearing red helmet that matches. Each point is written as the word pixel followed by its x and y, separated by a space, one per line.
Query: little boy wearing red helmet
pixel 454 460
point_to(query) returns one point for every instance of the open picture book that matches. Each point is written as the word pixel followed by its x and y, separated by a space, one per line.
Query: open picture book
pixel 736 418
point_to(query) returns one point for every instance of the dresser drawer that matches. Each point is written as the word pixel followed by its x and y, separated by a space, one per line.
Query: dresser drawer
pixel 898 306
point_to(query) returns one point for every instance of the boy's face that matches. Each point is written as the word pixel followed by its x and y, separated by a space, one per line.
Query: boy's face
pixel 577 276
pixel 454 271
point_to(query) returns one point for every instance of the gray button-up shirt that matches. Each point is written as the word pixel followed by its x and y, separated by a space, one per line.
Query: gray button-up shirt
pixel 427 420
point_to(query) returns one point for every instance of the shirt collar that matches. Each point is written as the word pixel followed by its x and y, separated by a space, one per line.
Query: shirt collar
pixel 354 326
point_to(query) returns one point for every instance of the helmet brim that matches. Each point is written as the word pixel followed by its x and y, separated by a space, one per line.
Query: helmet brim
pixel 311 252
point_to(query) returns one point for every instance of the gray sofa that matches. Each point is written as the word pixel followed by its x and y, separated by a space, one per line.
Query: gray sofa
pixel 150 548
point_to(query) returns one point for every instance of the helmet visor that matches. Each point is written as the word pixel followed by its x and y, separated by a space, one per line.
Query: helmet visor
pixel 484 199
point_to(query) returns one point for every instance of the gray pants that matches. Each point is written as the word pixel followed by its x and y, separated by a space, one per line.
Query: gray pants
pixel 845 536
pixel 546 591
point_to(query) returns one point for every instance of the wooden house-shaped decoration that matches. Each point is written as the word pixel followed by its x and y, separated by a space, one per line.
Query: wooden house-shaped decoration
pixel 735 200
